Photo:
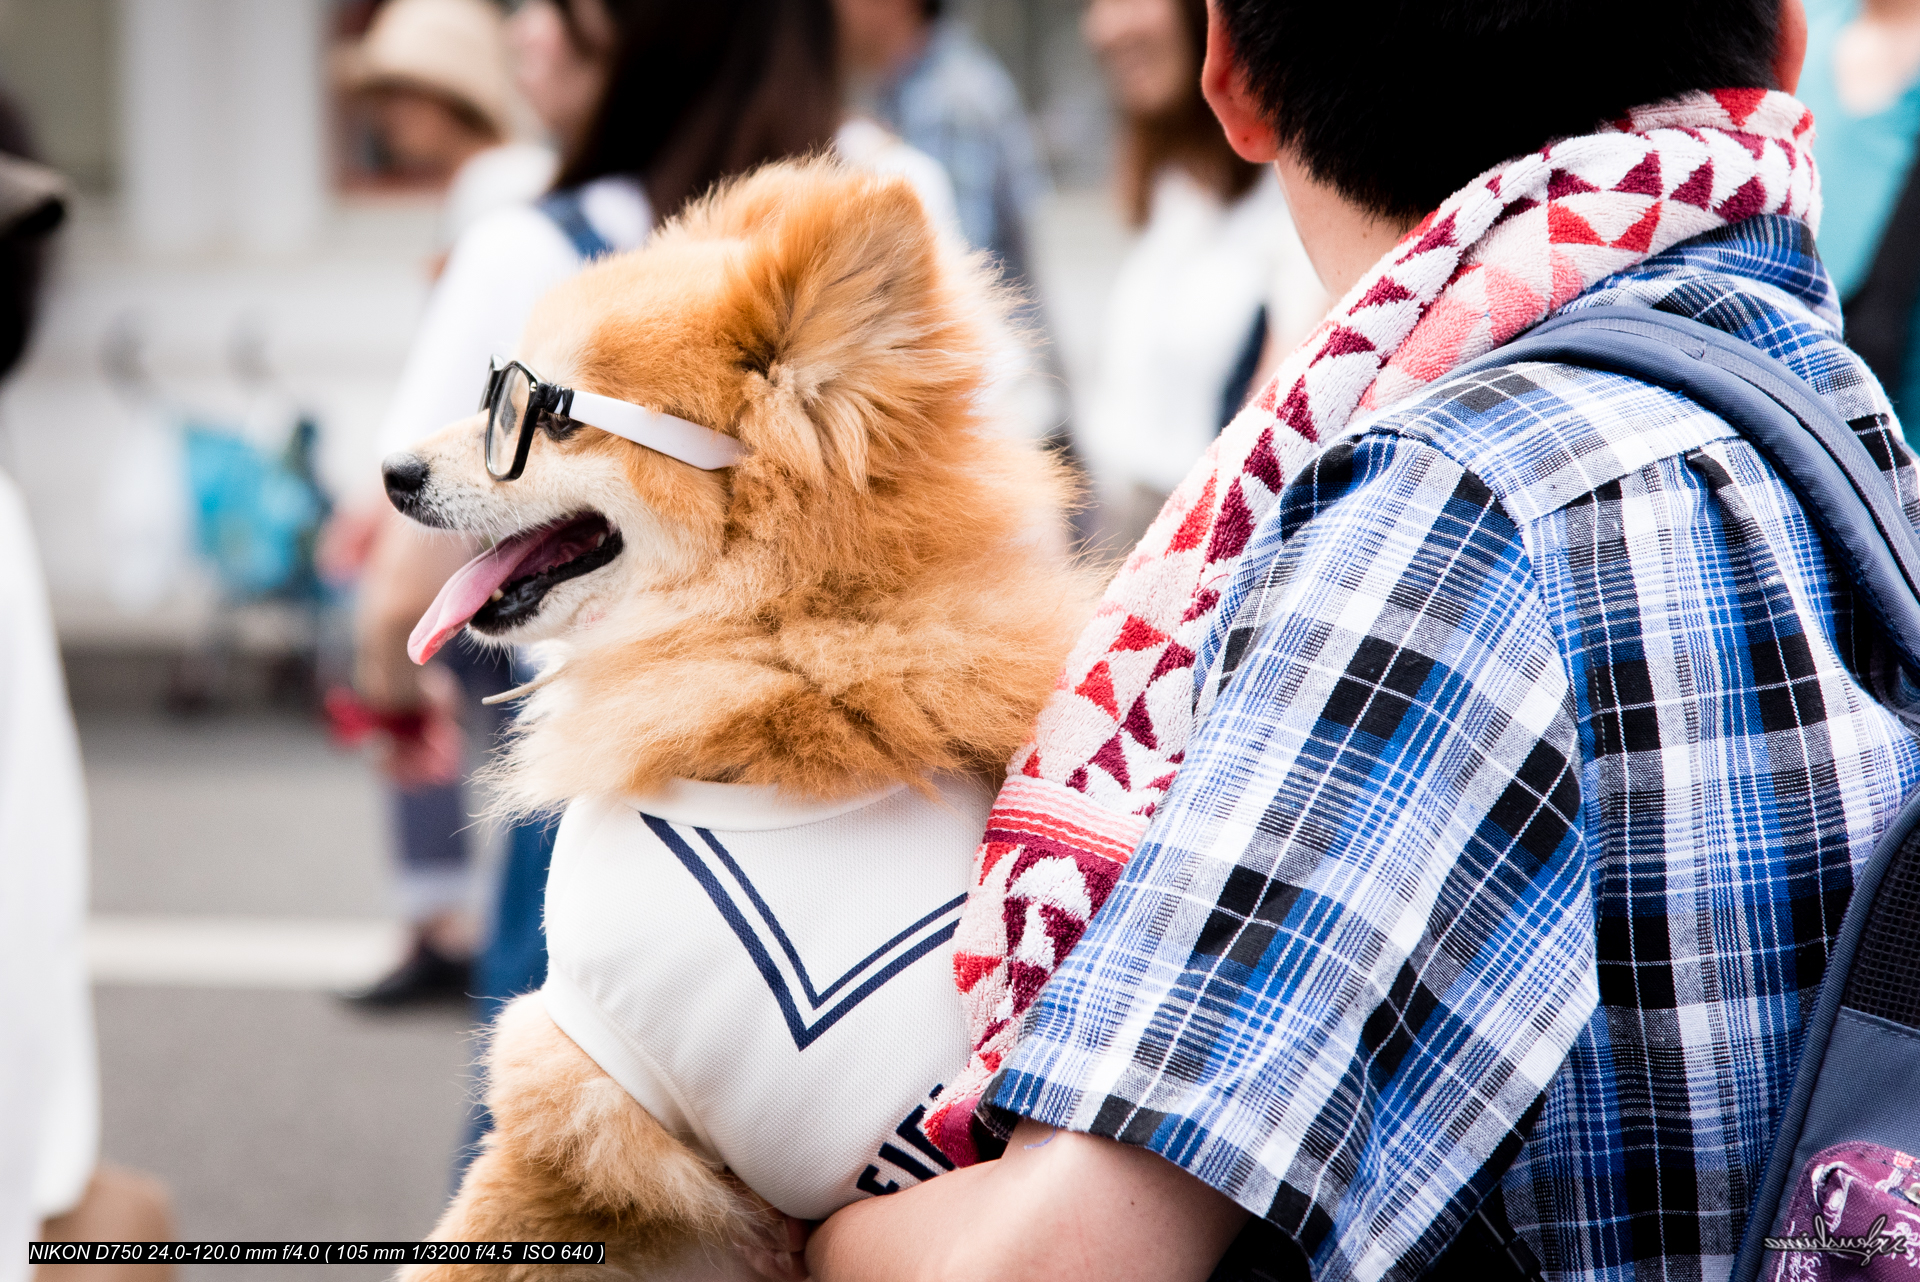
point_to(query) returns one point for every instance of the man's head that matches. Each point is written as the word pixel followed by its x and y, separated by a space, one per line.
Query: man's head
pixel 1398 105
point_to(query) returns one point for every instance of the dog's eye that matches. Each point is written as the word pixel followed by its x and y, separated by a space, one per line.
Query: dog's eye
pixel 556 427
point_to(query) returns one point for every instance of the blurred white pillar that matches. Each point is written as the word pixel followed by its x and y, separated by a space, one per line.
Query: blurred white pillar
pixel 169 64
pixel 222 123
pixel 278 125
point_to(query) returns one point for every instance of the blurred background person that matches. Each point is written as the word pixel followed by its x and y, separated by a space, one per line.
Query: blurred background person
pixel 49 1108
pixel 931 82
pixel 1862 81
pixel 649 102
pixel 436 75
pixel 926 78
pixel 1215 289
pixel 53 1186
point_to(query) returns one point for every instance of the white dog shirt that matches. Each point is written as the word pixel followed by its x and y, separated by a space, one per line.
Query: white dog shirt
pixel 770 979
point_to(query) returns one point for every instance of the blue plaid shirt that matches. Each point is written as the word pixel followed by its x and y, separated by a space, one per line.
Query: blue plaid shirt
pixel 1537 751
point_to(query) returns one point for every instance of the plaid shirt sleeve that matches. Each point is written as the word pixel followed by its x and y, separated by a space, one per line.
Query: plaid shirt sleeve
pixel 1357 943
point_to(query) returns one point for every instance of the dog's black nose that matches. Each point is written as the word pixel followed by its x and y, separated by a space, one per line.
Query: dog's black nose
pixel 405 475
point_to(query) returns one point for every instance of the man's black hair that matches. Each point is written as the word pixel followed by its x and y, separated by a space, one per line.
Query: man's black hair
pixel 1400 104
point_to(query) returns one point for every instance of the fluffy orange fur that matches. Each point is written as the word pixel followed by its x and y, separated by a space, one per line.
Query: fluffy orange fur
pixel 572 1158
pixel 875 594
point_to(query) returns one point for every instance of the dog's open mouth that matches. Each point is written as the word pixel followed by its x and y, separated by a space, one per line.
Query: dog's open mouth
pixel 504 586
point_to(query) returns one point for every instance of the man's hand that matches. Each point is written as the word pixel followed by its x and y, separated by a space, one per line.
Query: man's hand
pixel 1058 1206
pixel 782 1257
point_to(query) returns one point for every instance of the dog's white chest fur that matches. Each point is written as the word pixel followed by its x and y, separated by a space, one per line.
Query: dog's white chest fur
pixel 771 980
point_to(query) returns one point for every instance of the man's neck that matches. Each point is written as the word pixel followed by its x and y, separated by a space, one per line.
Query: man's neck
pixel 1343 240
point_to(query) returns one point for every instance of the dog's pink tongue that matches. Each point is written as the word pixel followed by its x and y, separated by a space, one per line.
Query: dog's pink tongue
pixel 466 592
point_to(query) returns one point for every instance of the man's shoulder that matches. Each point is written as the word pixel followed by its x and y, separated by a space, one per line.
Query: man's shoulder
pixel 1542 435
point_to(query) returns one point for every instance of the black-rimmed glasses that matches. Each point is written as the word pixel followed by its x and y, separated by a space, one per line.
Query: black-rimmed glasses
pixel 514 401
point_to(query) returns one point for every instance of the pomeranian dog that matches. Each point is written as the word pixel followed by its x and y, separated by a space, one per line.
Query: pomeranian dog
pixel 799 603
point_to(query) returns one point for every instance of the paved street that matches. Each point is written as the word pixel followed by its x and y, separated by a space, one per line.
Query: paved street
pixel 274 1113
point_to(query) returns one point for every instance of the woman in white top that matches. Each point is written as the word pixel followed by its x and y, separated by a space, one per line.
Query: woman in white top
pixel 649 102
pixel 436 78
pixel 1216 288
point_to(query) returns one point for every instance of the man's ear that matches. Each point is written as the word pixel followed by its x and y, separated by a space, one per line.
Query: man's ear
pixel 1239 111
pixel 1790 47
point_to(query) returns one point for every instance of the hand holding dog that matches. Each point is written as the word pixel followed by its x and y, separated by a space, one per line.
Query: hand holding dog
pixel 783 1256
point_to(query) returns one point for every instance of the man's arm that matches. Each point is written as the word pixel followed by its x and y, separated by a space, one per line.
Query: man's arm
pixel 1059 1206
pixel 1360 916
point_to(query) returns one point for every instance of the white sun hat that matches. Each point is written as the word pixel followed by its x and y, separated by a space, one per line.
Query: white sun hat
pixel 456 48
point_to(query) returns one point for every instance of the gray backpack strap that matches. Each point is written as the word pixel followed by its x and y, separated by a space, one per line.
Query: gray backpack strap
pixel 1864 1098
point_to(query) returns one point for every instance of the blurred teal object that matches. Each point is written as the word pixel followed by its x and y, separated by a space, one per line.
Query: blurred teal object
pixel 256 517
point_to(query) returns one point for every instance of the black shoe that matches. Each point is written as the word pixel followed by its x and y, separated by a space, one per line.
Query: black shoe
pixel 426 978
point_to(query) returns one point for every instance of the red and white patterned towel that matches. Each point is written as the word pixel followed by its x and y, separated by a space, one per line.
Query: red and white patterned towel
pixel 1496 258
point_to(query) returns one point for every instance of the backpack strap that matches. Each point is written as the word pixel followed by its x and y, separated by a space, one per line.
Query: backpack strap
pixel 1848 499
pixel 570 216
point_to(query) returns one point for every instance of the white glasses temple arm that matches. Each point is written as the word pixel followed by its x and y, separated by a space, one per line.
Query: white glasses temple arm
pixel 698 446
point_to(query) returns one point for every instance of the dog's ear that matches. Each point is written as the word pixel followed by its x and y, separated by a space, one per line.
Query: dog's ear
pixel 861 341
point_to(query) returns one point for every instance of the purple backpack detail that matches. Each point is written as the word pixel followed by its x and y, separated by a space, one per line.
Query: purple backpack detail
pixel 1854 1215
